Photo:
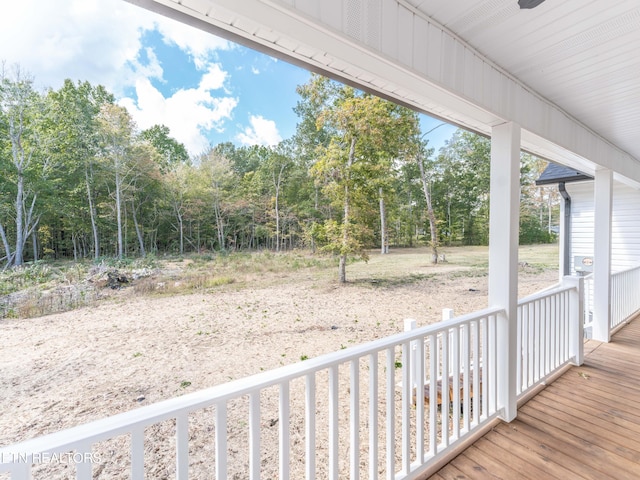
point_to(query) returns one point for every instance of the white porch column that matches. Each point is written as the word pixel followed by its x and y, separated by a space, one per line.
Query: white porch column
pixel 503 255
pixel 603 200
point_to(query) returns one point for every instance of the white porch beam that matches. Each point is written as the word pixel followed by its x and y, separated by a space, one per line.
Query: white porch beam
pixel 503 254
pixel 603 200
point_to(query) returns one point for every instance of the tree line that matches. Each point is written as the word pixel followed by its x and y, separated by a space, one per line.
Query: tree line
pixel 80 180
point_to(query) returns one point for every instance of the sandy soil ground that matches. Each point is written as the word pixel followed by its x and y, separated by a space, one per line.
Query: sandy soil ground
pixel 67 369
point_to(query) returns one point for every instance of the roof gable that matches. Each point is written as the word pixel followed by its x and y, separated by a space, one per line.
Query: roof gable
pixel 555 173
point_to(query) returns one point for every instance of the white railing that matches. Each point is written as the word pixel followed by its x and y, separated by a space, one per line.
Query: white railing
pixel 298 421
pixel 625 295
pixel 625 298
pixel 345 414
pixel 588 305
pixel 549 333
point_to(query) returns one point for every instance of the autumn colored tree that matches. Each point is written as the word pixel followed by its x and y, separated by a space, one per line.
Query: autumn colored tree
pixel 365 135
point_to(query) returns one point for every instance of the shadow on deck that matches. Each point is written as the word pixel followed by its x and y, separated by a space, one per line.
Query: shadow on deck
pixel 586 424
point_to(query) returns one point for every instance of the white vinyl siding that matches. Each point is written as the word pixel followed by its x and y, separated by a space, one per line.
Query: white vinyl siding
pixel 625 228
pixel 581 220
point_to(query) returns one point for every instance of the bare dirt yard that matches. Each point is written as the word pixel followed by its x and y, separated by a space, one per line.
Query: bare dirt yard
pixel 135 347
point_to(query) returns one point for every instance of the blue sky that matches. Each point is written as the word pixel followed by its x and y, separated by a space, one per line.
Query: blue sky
pixel 205 89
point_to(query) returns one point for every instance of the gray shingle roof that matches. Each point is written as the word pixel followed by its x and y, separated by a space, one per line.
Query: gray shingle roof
pixel 555 173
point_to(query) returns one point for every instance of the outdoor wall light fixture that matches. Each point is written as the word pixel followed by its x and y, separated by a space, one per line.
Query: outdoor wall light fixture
pixel 529 3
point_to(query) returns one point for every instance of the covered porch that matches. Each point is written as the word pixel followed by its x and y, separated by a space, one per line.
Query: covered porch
pixel 404 406
pixel 583 425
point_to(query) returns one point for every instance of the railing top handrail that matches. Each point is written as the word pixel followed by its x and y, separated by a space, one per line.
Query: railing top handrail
pixel 545 294
pixel 626 270
pixel 125 422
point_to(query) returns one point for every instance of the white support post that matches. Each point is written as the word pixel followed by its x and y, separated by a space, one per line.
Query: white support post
pixel 602 255
pixel 576 318
pixel 503 257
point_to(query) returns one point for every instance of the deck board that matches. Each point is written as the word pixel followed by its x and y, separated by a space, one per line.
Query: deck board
pixel 527 436
pixel 491 455
pixel 495 469
pixel 450 472
pixel 584 425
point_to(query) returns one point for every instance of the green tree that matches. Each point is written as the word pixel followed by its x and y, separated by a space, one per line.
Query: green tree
pixel 427 169
pixel 73 125
pixel 315 96
pixel 409 205
pixel 461 194
pixel 273 171
pixel 222 181
pixel 116 131
pixel 366 134
pixel 177 185
pixel 144 186
pixel 539 206
pixel 23 161
pixel 171 152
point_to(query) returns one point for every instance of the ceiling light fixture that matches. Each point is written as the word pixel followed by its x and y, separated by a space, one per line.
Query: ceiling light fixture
pixel 529 3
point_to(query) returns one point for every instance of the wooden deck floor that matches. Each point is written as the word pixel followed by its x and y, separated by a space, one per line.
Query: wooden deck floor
pixel 586 424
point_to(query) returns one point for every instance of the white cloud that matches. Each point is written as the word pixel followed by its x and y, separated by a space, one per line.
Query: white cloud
pixel 153 69
pixel 94 40
pixel 101 41
pixel 188 113
pixel 261 132
pixel 214 78
pixel 78 39
pixel 196 43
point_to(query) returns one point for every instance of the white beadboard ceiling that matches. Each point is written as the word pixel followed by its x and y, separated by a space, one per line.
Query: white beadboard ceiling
pixel 572 63
pixel 582 55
